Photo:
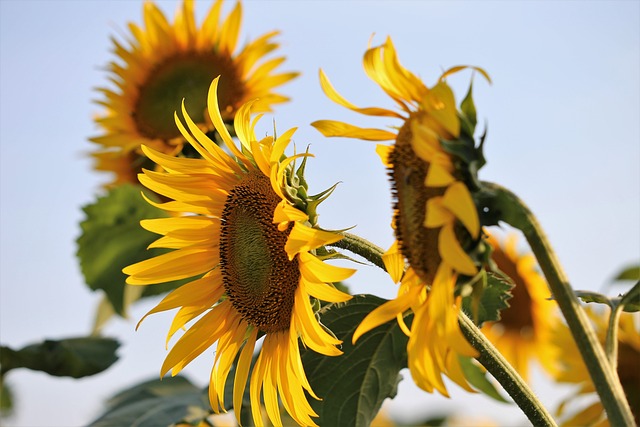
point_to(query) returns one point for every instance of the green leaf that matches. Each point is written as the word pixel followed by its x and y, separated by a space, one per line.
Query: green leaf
pixel 631 273
pixel 72 357
pixel 354 385
pixel 489 297
pixel 156 403
pixel 589 297
pixel 631 300
pixel 112 239
pixel 477 377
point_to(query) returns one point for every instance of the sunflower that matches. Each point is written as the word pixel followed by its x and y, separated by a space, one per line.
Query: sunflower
pixel 163 63
pixel 435 220
pixel 249 239
pixel 523 331
pixel 571 368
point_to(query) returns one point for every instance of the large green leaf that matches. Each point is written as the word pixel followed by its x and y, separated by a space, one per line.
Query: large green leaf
pixel 354 385
pixel 155 403
pixel 112 239
pixel 72 357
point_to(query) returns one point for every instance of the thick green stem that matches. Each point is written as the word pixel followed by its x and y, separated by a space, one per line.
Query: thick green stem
pixel 489 357
pixel 506 206
pixel 506 375
pixel 362 247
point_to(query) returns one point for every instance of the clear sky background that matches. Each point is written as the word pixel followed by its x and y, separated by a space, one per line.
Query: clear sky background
pixel 564 134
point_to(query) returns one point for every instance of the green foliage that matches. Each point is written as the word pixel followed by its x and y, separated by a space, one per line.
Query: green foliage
pixel 354 385
pixel 72 357
pixel 631 273
pixel 6 398
pixel 112 239
pixel 155 403
pixel 490 295
pixel 631 300
pixel 477 377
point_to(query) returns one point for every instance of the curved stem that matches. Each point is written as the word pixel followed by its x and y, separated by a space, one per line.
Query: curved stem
pixel 489 357
pixel 362 247
pixel 611 344
pixel 503 205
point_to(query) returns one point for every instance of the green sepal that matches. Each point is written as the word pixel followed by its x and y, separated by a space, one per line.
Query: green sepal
pixel 113 239
pixel 468 108
pixel 71 357
pixel 477 377
pixel 354 385
pixel 489 295
pixel 156 402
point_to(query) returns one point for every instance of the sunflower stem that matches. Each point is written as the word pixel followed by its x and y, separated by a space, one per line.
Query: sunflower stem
pixel 489 357
pixel 505 374
pixel 502 204
pixel 611 345
pixel 363 247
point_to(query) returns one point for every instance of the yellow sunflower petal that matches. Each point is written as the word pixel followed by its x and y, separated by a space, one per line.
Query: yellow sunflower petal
pixel 304 239
pixel 242 372
pixel 394 262
pixel 175 265
pixel 451 252
pixel 284 212
pixel 382 314
pixel 332 94
pixel 384 151
pixel 459 201
pixel 437 215
pixel 315 270
pixel 331 128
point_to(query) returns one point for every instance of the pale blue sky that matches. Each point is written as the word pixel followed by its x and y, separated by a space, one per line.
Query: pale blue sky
pixel 564 134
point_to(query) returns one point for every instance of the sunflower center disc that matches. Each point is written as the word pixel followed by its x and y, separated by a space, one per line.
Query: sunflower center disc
pixel 256 272
pixel 185 76
pixel 417 243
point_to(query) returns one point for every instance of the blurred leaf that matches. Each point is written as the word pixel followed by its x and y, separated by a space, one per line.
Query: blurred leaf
pixel 631 273
pixel 477 377
pixel 112 239
pixel 589 297
pixel 631 300
pixel 72 357
pixel 155 403
pixel 488 299
pixel 354 385
pixel 6 398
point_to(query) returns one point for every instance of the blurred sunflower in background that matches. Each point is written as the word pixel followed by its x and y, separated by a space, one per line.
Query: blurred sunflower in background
pixel 248 236
pixel 435 220
pixel 163 63
pixel 523 332
pixel 570 368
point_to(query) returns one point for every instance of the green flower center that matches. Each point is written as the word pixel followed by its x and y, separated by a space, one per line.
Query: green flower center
pixel 258 277
pixel 185 76
pixel 417 243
